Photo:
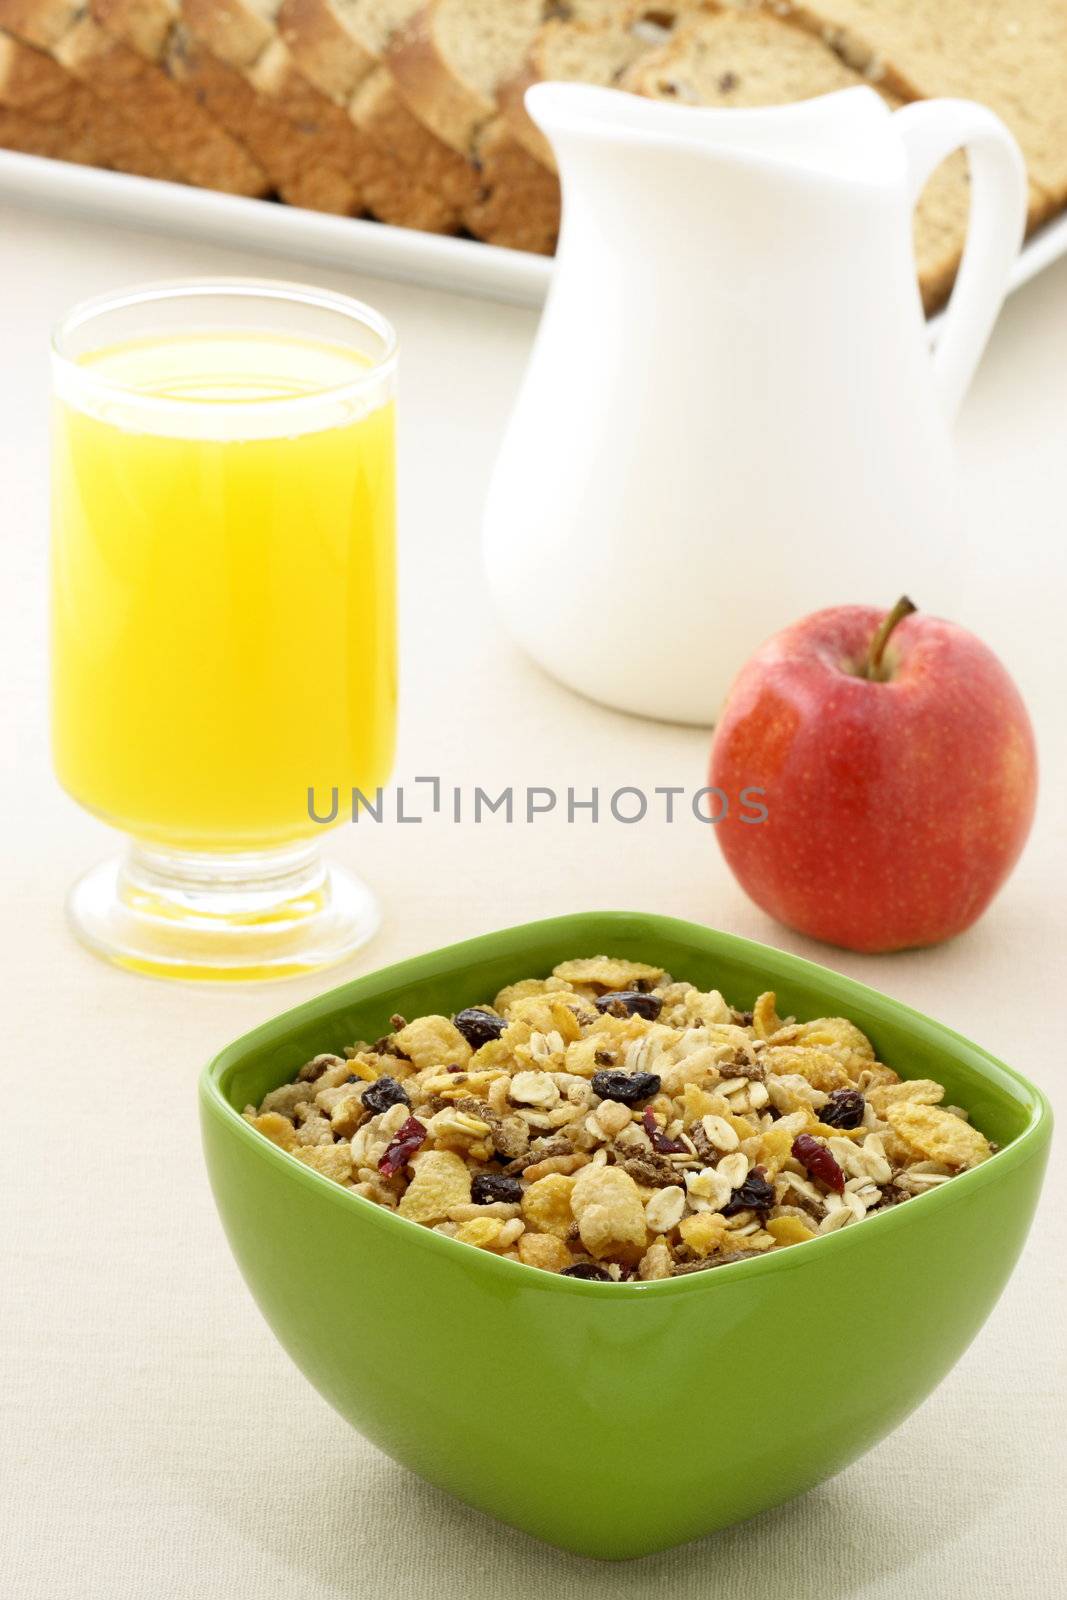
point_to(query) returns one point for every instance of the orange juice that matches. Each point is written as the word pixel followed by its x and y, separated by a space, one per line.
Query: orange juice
pixel 223 588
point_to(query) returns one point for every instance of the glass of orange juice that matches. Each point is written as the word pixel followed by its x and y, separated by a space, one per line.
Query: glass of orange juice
pixel 223 615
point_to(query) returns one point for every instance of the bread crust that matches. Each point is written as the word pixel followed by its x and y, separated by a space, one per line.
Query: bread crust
pixel 512 103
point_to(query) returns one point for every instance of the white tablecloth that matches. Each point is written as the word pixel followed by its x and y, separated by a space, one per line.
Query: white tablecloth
pixel 155 1440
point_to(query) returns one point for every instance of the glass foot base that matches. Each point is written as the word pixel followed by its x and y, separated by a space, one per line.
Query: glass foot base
pixel 240 917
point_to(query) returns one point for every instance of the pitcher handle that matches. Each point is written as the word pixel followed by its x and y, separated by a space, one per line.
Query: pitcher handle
pixel 932 130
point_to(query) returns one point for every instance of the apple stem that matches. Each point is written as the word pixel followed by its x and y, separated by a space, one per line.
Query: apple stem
pixel 876 650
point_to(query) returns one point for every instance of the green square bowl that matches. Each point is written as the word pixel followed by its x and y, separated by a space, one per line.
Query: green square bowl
pixel 619 1419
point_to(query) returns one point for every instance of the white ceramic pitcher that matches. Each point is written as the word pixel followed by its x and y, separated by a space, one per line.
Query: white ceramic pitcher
pixel 731 414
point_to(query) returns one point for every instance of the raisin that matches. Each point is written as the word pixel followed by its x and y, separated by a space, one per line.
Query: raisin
pixel 626 1087
pixel 817 1161
pixel 755 1194
pixel 630 1003
pixel 490 1186
pixel 586 1269
pixel 660 1141
pixel 478 1027
pixel 383 1093
pixel 844 1109
pixel 397 1154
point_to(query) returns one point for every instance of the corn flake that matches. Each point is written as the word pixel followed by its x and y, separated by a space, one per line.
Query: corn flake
pixel 938 1135
pixel 441 1180
pixel 432 1042
pixel 607 973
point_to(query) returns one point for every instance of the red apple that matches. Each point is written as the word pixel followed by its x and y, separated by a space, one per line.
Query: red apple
pixel 899 774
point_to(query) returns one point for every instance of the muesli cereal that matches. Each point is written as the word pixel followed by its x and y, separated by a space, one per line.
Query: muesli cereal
pixel 609 1123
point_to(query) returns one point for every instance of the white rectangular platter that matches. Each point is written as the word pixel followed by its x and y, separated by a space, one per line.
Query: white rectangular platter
pixel 462 266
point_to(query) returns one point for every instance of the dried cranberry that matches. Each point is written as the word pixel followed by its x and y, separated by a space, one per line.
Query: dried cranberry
pixel 816 1159
pixel 383 1093
pixel 755 1194
pixel 626 1087
pixel 490 1186
pixel 844 1109
pixel 586 1269
pixel 630 1002
pixel 478 1026
pixel 402 1148
pixel 660 1141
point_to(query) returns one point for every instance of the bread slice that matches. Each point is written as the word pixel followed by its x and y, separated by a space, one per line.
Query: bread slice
pixel 48 112
pixel 755 59
pixel 339 45
pixel 1011 57
pixel 571 48
pixel 198 150
pixel 452 57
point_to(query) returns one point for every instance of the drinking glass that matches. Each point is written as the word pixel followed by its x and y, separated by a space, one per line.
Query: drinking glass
pixel 223 615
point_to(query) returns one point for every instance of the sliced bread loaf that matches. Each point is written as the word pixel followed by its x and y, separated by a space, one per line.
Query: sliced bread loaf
pixel 1011 57
pixel 756 59
pixel 49 112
